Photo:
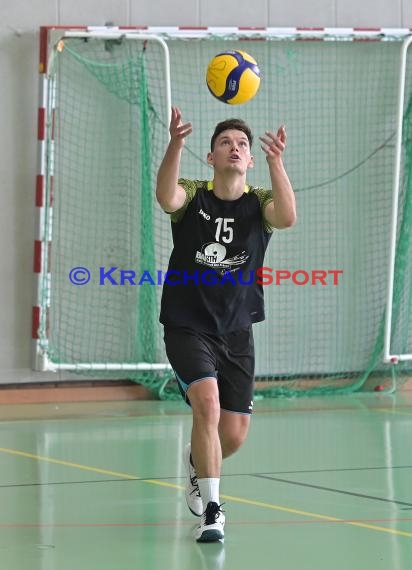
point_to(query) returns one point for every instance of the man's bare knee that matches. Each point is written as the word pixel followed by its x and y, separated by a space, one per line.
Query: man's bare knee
pixel 230 444
pixel 204 399
pixel 233 430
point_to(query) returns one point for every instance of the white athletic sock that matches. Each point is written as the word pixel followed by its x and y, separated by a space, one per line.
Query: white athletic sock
pixel 209 490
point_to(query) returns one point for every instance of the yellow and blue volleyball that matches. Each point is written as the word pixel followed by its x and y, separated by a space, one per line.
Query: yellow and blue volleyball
pixel 233 77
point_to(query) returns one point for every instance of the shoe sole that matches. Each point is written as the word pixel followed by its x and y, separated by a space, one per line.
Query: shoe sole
pixel 211 535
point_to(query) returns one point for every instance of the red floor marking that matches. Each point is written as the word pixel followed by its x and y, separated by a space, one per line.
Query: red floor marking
pixel 191 523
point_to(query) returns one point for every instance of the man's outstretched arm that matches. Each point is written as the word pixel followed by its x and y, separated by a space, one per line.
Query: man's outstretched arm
pixel 281 213
pixel 169 194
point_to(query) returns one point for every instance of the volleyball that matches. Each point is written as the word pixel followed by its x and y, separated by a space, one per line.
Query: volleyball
pixel 233 77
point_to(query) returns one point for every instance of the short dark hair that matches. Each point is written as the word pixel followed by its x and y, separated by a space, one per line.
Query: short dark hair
pixel 237 125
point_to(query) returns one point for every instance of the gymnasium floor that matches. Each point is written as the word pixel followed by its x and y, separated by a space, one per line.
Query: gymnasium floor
pixel 320 484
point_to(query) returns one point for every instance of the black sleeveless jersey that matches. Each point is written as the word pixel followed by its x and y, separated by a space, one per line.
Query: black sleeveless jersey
pixel 211 282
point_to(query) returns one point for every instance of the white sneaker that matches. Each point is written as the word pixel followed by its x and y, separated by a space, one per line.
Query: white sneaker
pixel 212 525
pixel 192 493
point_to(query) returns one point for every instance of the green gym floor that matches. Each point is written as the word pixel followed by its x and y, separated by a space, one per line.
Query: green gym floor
pixel 320 484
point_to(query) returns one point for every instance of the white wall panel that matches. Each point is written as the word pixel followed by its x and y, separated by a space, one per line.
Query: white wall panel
pixel 406 10
pixel 25 16
pixel 164 12
pixel 369 13
pixel 18 115
pixel 233 13
pixel 317 13
pixel 93 12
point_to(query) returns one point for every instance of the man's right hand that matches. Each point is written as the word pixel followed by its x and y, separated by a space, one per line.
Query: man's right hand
pixel 169 194
pixel 178 131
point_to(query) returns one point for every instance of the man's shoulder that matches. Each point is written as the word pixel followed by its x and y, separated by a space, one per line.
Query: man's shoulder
pixel 262 194
pixel 192 186
pixel 264 197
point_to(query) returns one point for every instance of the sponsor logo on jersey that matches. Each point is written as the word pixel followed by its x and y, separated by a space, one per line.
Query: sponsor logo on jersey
pixel 214 255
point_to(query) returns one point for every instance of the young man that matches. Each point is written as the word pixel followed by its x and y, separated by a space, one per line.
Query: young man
pixel 211 298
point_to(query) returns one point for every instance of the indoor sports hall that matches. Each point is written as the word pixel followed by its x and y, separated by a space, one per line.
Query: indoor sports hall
pixel 93 426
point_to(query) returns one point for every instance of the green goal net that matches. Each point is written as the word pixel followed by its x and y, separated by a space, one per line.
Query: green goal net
pixel 108 129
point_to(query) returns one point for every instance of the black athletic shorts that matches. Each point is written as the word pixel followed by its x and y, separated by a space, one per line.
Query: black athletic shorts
pixel 229 358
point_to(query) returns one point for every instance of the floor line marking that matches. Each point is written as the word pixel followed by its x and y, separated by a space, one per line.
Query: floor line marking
pixel 28 455
pixel 391 411
pixel 331 490
pixel 315 515
pixel 232 498
pixel 189 523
